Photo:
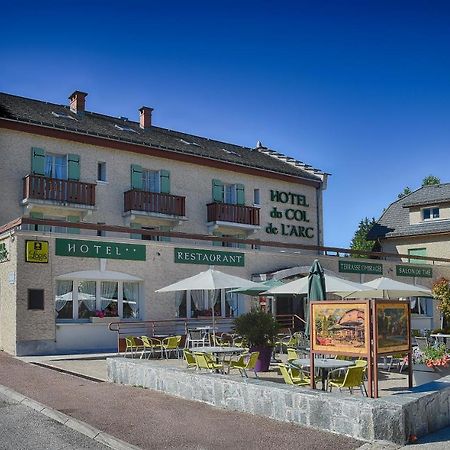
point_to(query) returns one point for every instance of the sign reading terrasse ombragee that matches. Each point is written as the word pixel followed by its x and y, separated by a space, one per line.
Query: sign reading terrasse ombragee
pixel 208 257
pixel 98 249
pixel 408 271
pixel 360 267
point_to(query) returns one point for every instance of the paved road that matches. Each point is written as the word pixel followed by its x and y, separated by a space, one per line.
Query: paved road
pixel 23 428
pixel 152 420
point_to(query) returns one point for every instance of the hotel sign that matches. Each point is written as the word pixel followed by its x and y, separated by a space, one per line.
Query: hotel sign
pixel 360 267
pixel 36 251
pixel 409 271
pixel 208 257
pixel 98 249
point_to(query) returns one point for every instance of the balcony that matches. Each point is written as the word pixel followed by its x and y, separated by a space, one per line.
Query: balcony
pixel 53 191
pixel 233 216
pixel 154 205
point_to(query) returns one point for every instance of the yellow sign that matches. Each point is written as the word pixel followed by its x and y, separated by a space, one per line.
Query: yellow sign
pixel 36 251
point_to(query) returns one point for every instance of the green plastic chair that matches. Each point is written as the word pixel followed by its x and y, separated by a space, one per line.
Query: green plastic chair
pixel 293 376
pixel 244 363
pixel 291 354
pixel 204 361
pixel 171 344
pixel 353 378
pixel 151 345
pixel 189 358
pixel 132 346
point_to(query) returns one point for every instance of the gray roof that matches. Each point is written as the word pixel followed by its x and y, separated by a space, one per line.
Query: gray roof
pixel 60 117
pixel 394 222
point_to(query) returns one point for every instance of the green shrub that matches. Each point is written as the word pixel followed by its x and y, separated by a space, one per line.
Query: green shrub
pixel 257 327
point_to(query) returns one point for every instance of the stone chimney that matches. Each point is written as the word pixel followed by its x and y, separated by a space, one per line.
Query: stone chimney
pixel 145 117
pixel 78 102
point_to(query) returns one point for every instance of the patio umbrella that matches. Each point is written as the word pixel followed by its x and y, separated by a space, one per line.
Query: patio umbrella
pixel 387 288
pixel 260 288
pixel 316 289
pixel 210 280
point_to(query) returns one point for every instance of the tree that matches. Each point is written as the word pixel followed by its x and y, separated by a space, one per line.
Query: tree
pixel 441 292
pixel 360 241
pixel 405 192
pixel 431 180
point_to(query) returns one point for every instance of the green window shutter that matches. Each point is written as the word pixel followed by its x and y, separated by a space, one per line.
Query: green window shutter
pixel 38 161
pixel 164 238
pixel 164 176
pixel 418 252
pixel 240 194
pixel 136 226
pixel 73 219
pixel 217 243
pixel 136 176
pixel 218 191
pixel 73 167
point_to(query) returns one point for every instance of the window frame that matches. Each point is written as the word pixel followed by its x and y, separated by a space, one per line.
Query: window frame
pixel 100 172
pixel 53 157
pixel 146 180
pixel 431 210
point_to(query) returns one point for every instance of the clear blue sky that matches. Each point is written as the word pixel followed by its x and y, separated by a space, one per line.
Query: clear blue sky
pixel 358 88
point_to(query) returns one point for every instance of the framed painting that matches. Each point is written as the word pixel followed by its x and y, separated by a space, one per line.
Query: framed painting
pixel 392 327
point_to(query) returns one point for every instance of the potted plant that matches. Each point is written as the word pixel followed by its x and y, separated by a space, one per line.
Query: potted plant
pixel 259 330
pixel 430 364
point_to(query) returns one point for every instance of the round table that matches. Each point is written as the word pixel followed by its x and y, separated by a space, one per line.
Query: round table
pixel 324 364
pixel 220 351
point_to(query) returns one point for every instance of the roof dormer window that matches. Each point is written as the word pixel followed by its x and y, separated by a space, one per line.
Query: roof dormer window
pixel 430 213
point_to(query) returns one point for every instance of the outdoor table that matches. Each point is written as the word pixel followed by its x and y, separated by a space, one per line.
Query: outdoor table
pixel 439 336
pixel 325 364
pixel 219 351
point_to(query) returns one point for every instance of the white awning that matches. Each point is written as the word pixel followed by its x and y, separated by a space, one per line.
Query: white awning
pixel 101 275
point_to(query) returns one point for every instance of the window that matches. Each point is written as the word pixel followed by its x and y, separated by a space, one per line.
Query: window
pixel 422 306
pixel 151 181
pixel 430 213
pixel 101 171
pixel 256 197
pixel 84 299
pixel 417 252
pixel 56 166
pixel 36 299
pixel 230 194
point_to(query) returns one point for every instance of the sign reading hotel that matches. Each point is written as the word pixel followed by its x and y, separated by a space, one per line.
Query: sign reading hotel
pixel 97 249
pixel 409 271
pixel 208 257
pixel 293 213
pixel 360 267
pixel 36 251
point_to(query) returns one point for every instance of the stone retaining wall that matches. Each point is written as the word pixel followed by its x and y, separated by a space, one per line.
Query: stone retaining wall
pixel 392 418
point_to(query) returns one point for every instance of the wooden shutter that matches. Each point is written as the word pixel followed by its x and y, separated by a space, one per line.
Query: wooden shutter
pixel 73 167
pixel 38 161
pixel 240 194
pixel 136 177
pixel 218 191
pixel 73 219
pixel 164 238
pixel 164 177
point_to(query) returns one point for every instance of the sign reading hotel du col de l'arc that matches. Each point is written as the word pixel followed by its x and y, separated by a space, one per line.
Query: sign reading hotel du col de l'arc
pixel 290 208
pixel 208 257
pixel 97 249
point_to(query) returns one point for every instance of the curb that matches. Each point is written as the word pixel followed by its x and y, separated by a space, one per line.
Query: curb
pixel 70 422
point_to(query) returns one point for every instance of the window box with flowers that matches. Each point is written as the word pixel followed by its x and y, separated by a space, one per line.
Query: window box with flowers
pixel 430 364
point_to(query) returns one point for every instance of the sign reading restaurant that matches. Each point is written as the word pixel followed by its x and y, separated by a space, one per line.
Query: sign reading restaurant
pixel 208 257
pixel 97 249
pixel 360 267
pixel 408 271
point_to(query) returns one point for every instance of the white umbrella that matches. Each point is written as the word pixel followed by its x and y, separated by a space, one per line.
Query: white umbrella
pixel 388 288
pixel 333 285
pixel 210 280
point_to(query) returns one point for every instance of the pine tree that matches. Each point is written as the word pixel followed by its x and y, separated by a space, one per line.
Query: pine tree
pixel 360 241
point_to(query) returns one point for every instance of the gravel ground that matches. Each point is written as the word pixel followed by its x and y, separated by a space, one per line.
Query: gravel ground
pixel 153 420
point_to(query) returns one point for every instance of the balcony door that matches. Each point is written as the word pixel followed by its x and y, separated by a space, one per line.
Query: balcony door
pixel 151 181
pixel 56 166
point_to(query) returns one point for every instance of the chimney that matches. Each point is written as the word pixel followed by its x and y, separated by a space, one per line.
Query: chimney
pixel 78 102
pixel 145 117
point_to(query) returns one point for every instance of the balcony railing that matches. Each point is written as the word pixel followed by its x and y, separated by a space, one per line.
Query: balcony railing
pixel 154 202
pixel 65 191
pixel 226 212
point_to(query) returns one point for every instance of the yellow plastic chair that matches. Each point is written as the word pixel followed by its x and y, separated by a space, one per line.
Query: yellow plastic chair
pixel 151 345
pixel 293 376
pixel 189 358
pixel 132 346
pixel 353 378
pixel 204 361
pixel 171 344
pixel 291 354
pixel 244 363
